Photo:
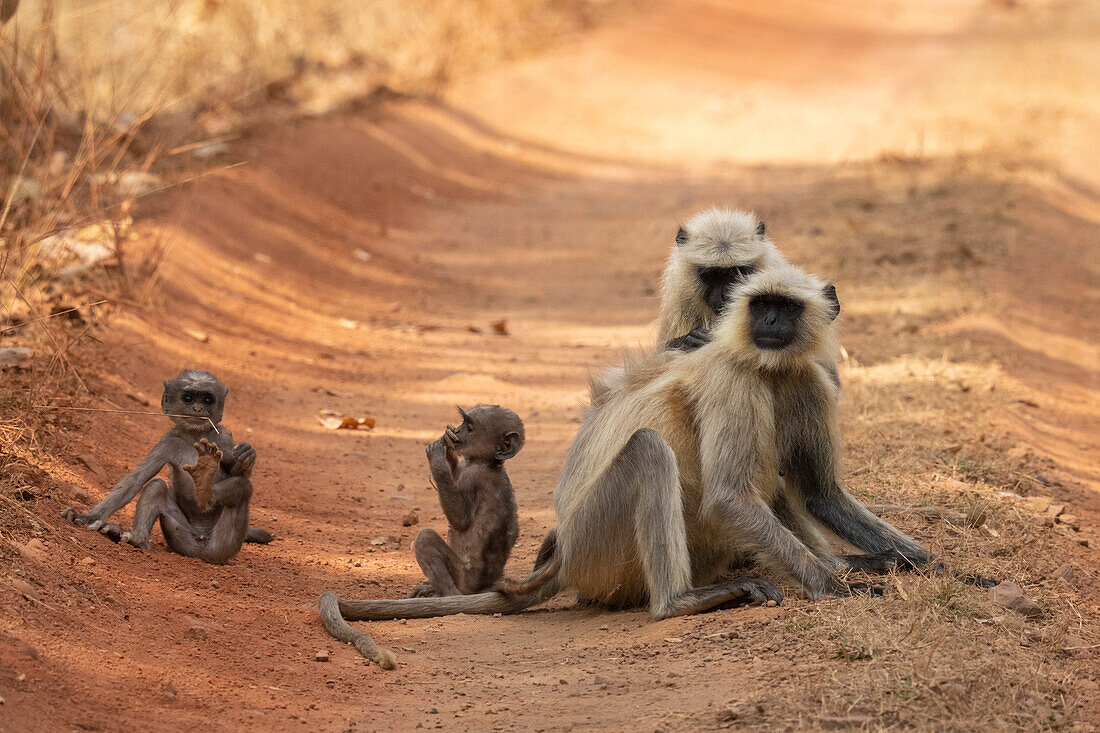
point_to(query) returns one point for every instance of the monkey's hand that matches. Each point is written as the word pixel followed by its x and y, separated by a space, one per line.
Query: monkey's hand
pixel 424 590
pixel 82 520
pixel 691 341
pixel 437 451
pixel 450 438
pixel 244 458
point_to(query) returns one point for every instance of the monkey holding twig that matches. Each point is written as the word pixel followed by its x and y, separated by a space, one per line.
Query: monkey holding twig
pixel 467 466
pixel 203 512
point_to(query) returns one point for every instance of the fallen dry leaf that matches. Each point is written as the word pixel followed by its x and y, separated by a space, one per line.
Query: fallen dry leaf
pixel 334 420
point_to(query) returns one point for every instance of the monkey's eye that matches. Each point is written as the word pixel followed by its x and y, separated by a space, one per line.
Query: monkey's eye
pixel 208 400
pixel 791 306
pixel 188 398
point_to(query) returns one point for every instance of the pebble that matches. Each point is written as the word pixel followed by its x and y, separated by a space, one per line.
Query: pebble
pixel 15 357
pixel 1011 596
pixel 410 519
pixel 772 604
pixel 26 589
pixel 320 656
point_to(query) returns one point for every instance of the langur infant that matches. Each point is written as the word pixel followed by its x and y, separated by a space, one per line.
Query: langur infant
pixel 203 511
pixel 467 465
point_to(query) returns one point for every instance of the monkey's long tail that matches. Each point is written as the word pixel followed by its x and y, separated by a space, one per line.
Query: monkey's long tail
pixel 479 603
pixel 538 578
pixel 329 606
pixel 334 611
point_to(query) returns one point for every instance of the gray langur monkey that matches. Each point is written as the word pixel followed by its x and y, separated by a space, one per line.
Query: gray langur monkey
pixel 715 249
pixel 203 510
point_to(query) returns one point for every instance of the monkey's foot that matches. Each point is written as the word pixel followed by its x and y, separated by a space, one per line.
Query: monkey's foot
pixel 742 591
pixel 80 520
pixel 112 532
pixel 127 537
pixel 204 470
pixel 424 590
pixel 258 536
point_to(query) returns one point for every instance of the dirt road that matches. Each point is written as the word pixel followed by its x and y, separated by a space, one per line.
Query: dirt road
pixel 932 158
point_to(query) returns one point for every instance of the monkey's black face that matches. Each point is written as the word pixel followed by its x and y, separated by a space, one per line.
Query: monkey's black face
pixel 193 409
pixel 774 321
pixel 716 282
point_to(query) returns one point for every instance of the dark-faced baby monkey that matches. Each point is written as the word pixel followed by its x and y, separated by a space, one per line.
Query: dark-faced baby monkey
pixel 203 511
pixel 467 465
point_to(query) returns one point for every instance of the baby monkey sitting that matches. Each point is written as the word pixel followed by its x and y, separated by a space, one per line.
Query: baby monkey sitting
pixel 467 465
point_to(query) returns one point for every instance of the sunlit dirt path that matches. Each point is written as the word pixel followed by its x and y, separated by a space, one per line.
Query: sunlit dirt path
pixel 929 157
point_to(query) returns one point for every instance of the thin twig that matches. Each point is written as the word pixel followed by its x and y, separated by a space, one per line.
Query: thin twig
pixel 127 412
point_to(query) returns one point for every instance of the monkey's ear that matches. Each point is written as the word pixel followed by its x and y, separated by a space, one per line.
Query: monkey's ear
pixel 834 302
pixel 509 446
pixel 760 228
pixel 681 236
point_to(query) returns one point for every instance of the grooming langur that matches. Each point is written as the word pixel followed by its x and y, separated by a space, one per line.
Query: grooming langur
pixel 467 465
pixel 203 512
pixel 715 250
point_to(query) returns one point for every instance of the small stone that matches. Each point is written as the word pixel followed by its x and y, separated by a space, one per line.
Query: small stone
pixel 1011 596
pixel 772 604
pixel 1071 521
pixel 362 255
pixel 26 589
pixel 200 336
pixel 138 183
pixel 563 681
pixel 215 584
pixel 87 561
pixel 1067 573
pixel 601 681
pixel 35 549
pixel 410 519
pixel 91 464
pixel 210 150
pixel 320 656
pixel 433 711
pixel 14 357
